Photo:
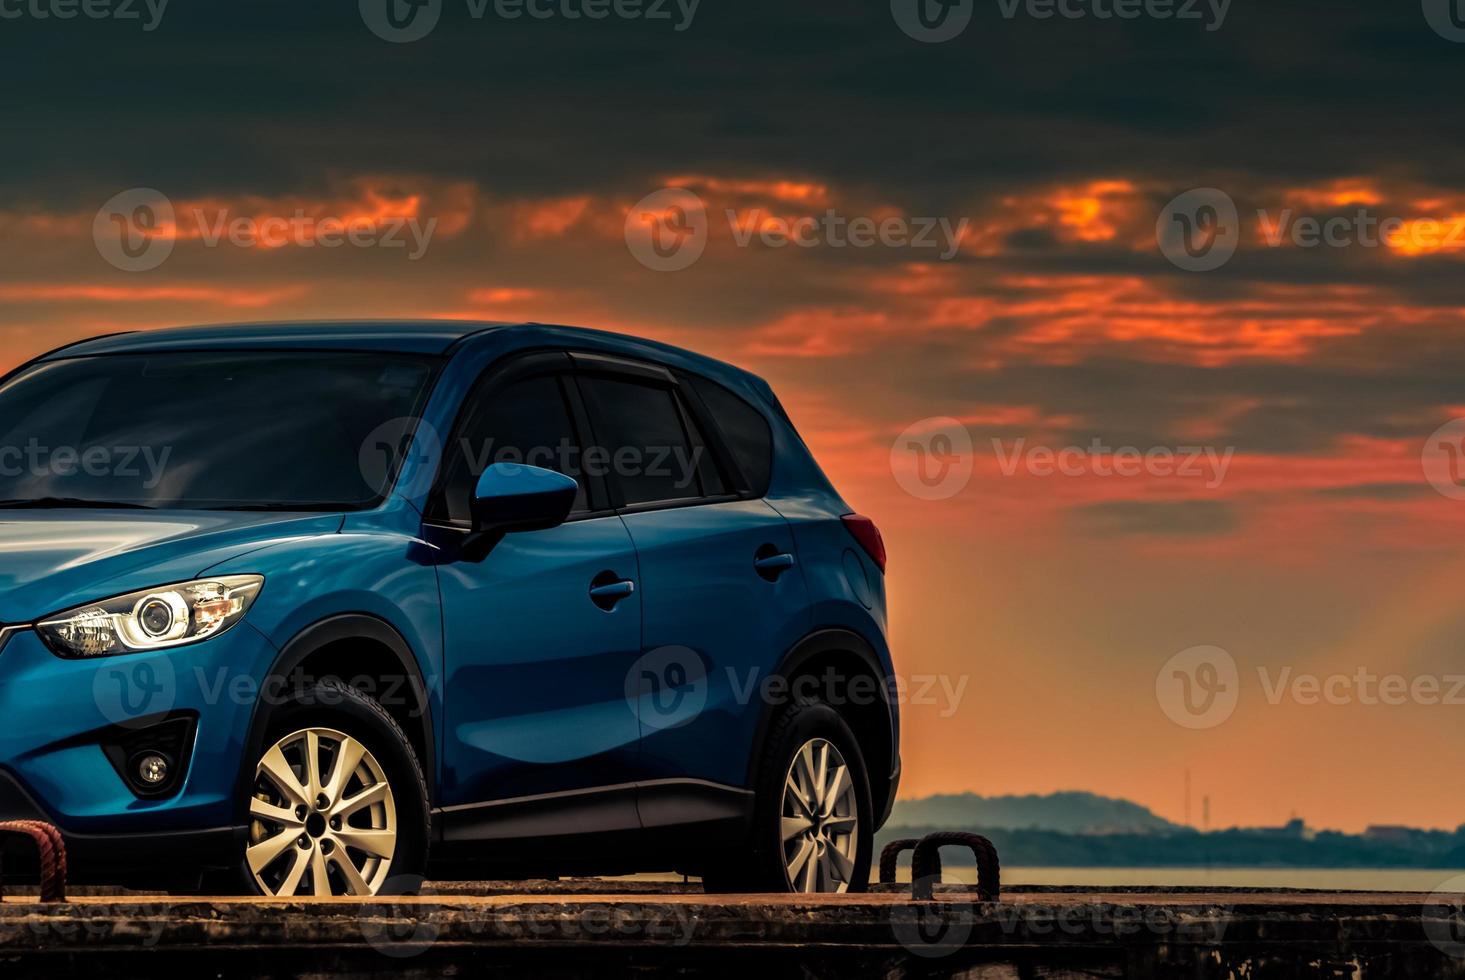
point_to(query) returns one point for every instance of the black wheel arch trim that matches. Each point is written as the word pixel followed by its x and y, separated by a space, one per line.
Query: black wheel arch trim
pixel 317 636
pixel 821 642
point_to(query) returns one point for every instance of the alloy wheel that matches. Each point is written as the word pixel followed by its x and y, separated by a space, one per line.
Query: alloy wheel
pixel 323 819
pixel 820 820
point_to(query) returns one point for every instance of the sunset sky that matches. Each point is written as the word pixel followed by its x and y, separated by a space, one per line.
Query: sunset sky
pixel 1322 370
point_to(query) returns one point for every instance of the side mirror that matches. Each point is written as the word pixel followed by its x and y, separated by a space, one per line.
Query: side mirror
pixel 514 497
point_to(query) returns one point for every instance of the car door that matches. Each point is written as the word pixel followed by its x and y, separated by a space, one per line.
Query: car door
pixel 722 597
pixel 535 703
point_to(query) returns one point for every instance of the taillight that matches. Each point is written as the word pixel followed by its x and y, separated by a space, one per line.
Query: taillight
pixel 868 535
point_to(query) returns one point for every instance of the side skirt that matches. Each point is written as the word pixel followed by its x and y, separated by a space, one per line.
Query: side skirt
pixel 659 825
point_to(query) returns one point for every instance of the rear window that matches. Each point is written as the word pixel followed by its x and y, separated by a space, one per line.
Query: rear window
pixel 746 430
pixel 639 428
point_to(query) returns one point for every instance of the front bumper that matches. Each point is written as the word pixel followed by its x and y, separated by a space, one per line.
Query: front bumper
pixel 60 713
pixel 161 859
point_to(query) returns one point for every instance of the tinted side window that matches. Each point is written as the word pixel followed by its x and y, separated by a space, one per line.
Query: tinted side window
pixel 640 430
pixel 526 421
pixel 745 429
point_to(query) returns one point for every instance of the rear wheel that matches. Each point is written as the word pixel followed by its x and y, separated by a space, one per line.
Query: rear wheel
pixel 338 805
pixel 812 829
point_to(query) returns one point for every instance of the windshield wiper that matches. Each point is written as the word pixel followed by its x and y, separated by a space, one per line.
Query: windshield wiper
pixel 62 503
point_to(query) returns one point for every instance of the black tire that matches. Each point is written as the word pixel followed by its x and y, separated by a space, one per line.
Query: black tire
pixel 759 867
pixel 335 705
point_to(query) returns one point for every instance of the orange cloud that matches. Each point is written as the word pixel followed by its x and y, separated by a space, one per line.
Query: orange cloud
pixel 1061 319
pixel 371 201
pixel 1335 194
pixel 785 191
pixel 548 219
pixel 503 295
pixel 220 295
pixel 1098 211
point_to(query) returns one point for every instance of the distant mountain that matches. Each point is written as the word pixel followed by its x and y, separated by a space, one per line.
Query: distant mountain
pixel 1068 812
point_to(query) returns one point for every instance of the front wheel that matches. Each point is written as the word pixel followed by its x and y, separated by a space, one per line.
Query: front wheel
pixel 813 830
pixel 338 805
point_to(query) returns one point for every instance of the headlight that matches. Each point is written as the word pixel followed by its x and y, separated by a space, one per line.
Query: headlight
pixel 154 619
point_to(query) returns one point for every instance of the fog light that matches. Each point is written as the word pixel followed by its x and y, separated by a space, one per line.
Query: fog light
pixel 152 760
pixel 152 769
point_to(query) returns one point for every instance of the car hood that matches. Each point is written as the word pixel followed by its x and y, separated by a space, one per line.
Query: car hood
pixel 53 560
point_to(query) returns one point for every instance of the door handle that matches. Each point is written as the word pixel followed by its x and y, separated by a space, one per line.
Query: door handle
pixel 606 591
pixel 771 566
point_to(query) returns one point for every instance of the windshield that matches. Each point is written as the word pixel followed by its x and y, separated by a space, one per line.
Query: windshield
pixel 186 430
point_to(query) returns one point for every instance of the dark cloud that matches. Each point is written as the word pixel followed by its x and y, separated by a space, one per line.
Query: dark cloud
pixel 273 92
pixel 1383 492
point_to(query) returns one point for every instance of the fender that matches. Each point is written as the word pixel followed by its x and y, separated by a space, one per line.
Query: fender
pixel 347 626
pixel 817 643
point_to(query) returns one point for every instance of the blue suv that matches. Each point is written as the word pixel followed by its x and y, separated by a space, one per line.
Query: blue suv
pixel 325 608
